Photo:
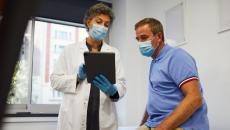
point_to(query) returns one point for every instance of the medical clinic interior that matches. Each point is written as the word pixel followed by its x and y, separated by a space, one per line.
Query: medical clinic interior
pixel 115 64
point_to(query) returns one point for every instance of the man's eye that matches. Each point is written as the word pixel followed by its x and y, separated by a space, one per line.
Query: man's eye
pixel 144 38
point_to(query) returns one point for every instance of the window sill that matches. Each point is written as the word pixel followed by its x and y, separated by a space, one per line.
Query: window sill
pixel 28 114
pixel 27 119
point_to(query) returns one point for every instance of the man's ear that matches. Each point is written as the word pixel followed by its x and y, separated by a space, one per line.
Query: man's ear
pixel 160 37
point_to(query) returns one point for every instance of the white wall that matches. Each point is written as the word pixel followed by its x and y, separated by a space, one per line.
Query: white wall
pixel 209 48
pixel 30 123
pixel 136 67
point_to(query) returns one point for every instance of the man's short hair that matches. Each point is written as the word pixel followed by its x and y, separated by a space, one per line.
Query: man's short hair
pixel 154 24
pixel 96 10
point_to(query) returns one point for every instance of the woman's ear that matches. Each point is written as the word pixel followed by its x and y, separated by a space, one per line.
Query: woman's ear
pixel 88 24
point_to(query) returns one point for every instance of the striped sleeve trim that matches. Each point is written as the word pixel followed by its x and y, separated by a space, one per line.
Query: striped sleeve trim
pixel 187 80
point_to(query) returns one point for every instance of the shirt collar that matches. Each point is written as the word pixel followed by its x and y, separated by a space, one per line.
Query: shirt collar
pixel 90 47
pixel 163 52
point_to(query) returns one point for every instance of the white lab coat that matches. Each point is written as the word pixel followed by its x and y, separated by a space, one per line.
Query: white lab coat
pixel 73 109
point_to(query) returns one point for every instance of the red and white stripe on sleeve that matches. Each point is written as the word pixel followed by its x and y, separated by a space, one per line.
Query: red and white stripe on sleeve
pixel 187 80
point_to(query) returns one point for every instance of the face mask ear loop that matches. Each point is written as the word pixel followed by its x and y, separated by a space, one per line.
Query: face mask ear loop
pixel 154 35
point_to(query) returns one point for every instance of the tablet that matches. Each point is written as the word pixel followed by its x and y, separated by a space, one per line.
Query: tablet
pixel 100 63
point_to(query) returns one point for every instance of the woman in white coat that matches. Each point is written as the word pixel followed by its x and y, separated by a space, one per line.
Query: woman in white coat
pixel 78 108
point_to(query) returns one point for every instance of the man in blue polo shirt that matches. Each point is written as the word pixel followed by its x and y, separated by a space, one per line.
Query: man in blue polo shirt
pixel 175 95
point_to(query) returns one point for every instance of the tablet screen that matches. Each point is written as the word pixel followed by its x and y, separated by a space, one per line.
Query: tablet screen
pixel 100 63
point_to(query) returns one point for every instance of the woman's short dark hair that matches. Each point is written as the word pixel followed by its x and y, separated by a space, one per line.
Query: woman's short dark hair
pixel 96 10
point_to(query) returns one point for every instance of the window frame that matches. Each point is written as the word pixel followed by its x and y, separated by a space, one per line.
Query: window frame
pixel 29 109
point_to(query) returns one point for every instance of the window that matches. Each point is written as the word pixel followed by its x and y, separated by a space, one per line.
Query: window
pixel 20 82
pixel 44 41
pixel 62 35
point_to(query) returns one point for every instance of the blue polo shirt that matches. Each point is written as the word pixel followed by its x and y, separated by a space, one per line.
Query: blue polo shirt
pixel 168 72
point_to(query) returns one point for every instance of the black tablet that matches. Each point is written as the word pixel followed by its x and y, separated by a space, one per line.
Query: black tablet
pixel 100 63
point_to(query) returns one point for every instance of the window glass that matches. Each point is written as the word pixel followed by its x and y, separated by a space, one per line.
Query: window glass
pixel 49 41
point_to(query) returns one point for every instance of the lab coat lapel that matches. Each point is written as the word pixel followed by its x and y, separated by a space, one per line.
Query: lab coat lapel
pixel 82 46
pixel 105 47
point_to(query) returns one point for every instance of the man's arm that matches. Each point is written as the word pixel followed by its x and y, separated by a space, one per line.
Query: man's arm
pixel 191 102
pixel 145 117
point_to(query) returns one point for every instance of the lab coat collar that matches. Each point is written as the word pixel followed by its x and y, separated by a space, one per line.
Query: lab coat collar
pixel 105 47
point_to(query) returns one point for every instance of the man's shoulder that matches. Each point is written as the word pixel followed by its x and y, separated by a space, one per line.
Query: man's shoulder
pixel 177 52
pixel 180 56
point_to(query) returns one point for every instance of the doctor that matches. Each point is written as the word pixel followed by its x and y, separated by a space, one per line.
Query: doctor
pixel 88 106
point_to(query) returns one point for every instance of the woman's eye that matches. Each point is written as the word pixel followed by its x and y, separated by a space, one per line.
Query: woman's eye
pixel 99 22
pixel 106 25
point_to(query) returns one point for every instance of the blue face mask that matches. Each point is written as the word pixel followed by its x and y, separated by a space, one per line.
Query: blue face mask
pixel 98 32
pixel 146 48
